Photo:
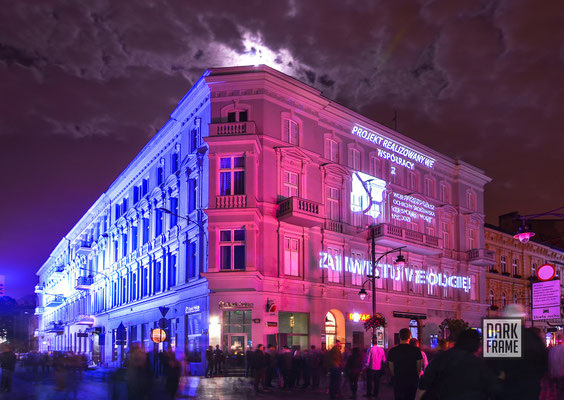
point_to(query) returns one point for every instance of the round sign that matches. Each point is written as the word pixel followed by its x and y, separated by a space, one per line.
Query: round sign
pixel 546 272
pixel 158 335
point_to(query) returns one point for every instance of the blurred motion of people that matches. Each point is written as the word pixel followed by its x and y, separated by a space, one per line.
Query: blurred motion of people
pixel 138 375
pixel 8 363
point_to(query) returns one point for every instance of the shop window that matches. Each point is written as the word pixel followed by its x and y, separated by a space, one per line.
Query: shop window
pixel 414 328
pixel 290 184
pixel 295 328
pixel 232 249
pixel 291 132
pixel 231 176
pixel 291 257
pixel 332 150
pixel 333 203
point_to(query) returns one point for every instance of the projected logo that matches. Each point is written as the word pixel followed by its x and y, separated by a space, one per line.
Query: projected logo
pixel 367 194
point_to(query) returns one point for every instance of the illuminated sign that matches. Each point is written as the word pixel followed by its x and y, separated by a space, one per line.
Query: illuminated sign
pixel 158 335
pixel 82 319
pixel 393 272
pixel 367 194
pixel 356 317
pixel 409 209
pixel 191 309
pixel 391 150
pixel 237 304
pixel 503 337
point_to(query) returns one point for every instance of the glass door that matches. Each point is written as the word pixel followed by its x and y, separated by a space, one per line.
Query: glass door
pixel 236 346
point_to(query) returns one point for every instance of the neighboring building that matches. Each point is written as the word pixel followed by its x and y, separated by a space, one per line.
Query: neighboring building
pixel 508 280
pixel 549 231
pixel 17 324
pixel 284 185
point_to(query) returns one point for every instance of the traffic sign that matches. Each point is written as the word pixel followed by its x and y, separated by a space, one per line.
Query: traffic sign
pixel 120 333
pixel 163 310
pixel 546 272
pixel 163 323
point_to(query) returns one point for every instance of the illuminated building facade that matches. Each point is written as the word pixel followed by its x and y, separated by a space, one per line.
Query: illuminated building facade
pixel 285 186
pixel 508 279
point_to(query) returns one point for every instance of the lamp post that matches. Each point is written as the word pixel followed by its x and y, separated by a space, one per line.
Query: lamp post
pixel 524 233
pixel 400 261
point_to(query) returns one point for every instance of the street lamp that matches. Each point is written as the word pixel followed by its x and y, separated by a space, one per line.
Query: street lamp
pixel 400 261
pixel 524 233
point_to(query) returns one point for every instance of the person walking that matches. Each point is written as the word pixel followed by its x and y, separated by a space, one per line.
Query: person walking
pixel 373 363
pixel 458 374
pixel 218 360
pixel 272 359
pixel 405 365
pixel 210 361
pixel 353 368
pixel 334 358
pixel 313 363
pixel 285 365
pixel 249 362
pixel 259 367
pixel 173 371
pixel 8 363
pixel 424 361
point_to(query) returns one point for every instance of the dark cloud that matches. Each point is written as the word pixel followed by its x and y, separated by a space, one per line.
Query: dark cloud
pixel 479 80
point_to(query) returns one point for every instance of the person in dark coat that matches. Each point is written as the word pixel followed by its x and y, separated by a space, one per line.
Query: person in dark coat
pixel 210 361
pixel 405 365
pixel 259 367
pixel 8 363
pixel 353 368
pixel 285 365
pixel 313 365
pixel 173 371
pixel 249 362
pixel 458 374
pixel 272 359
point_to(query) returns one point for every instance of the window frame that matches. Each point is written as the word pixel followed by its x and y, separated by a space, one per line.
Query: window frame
pixel 232 244
pixel 292 253
pixel 232 170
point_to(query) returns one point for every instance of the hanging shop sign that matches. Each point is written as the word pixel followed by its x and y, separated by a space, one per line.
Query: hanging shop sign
pixel 158 335
pixel 393 272
pixel 271 324
pixel 238 304
pixel 389 149
pixel 357 317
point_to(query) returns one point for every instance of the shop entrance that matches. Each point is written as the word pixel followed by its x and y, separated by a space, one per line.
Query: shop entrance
pixel 236 346
pixel 334 329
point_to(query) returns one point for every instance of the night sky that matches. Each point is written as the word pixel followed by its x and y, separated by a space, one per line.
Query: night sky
pixel 85 85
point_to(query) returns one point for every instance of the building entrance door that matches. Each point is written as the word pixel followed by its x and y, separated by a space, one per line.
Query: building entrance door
pixel 236 346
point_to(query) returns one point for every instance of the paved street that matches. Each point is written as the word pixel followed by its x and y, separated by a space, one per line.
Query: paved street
pixel 98 385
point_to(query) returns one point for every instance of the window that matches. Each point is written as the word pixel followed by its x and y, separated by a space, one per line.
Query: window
pixel 135 194
pixel 238 116
pixel 333 203
pixel 291 184
pixel 123 290
pixel 503 264
pixel 376 167
pixel 471 244
pixel 503 300
pixel 332 150
pixel 124 244
pixel 145 282
pixel 192 257
pixel 231 176
pixel 470 200
pixel 116 250
pixel 158 222
pixel 412 181
pixel 157 276
pixel 492 299
pixel 446 236
pixel 174 162
pixel 354 159
pixel 118 211
pixel 515 272
pixel 194 139
pixel 514 298
pixel 357 277
pixel 145 230
pixel 291 132
pixel 173 211
pixel 172 270
pixel 192 188
pixel 133 286
pixel 123 206
pixel 473 288
pixel 291 257
pixel 144 187
pixel 429 187
pixel 232 249
pixel 334 274
pixel 160 175
pixel 445 198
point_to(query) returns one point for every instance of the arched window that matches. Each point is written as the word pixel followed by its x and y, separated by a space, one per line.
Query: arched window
pixel 413 327
pixel 503 300
pixel 491 298
pixel 330 330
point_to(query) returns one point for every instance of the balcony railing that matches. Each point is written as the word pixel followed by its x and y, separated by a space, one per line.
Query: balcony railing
pixel 333 226
pixel 39 288
pixel 55 327
pixel 481 257
pixel 84 282
pixel 391 235
pixel 233 128
pixel 236 201
pixel 84 248
pixel 296 210
pixel 55 301
pixel 39 310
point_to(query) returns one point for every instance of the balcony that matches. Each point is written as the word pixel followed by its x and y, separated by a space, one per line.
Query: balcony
pixel 58 271
pixel 84 248
pixel 55 301
pixel 83 319
pixel 39 310
pixel 333 226
pixel 55 327
pixel 237 201
pixel 481 257
pixel 84 282
pixel 233 128
pixel 394 236
pixel 298 211
pixel 39 288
